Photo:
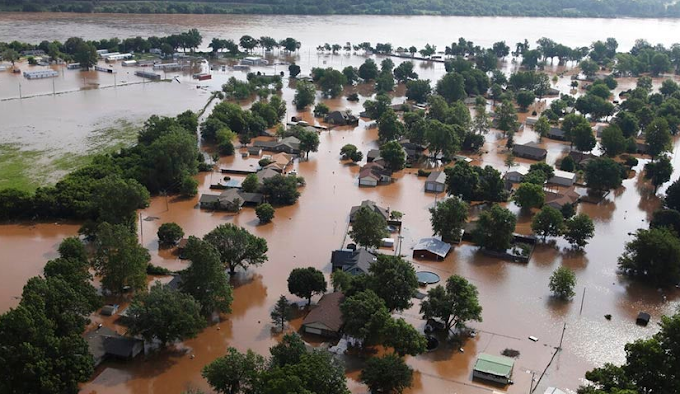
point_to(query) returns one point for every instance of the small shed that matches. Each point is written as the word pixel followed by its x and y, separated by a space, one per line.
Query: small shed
pixel 516 174
pixel 493 368
pixel 372 155
pixel 436 182
pixel 557 133
pixel 642 319
pixel 109 310
pixel 326 318
pixel 254 150
pixel 431 248
pixel 563 178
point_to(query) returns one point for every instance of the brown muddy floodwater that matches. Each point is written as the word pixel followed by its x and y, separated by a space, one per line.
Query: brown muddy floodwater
pixel 515 297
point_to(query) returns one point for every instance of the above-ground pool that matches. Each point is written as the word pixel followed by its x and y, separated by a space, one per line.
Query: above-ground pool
pixel 427 278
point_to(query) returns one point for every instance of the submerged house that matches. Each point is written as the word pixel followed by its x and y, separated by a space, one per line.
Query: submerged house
pixel 354 262
pixel 529 151
pixel 373 173
pixel 230 200
pixel 385 213
pixel 493 368
pixel 326 318
pixel 373 154
pixel 559 199
pixel 436 182
pixel 413 151
pixel 104 343
pixel 431 248
pixel 557 133
pixel 341 118
pixel 516 174
pixel 288 145
pixel 563 178
pixel 280 161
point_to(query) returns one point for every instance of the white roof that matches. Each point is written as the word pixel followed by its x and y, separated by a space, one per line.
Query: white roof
pixel 564 174
pixel 522 170
pixel 553 390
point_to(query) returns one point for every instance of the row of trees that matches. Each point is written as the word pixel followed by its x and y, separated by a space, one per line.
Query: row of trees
pixel 249 43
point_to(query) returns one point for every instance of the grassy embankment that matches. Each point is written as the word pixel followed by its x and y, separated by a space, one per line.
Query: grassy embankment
pixel 26 169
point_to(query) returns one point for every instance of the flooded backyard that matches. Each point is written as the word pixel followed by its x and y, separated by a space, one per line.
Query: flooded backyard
pixel 515 297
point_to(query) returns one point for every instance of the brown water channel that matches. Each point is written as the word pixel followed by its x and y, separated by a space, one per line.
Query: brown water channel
pixel 515 297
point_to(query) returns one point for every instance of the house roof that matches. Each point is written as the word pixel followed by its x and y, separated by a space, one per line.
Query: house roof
pixel 529 149
pixel 230 195
pixel 373 170
pixel 349 259
pixel 209 198
pixel 280 161
pixel 254 150
pixel 556 131
pixel 522 170
pixel 564 174
pixel 558 200
pixel 494 365
pixel 120 346
pixel 433 245
pixel 371 205
pixel 266 173
pixel 373 153
pixel 437 177
pixel 327 312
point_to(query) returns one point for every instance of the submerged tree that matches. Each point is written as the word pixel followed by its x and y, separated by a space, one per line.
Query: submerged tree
pixel 305 282
pixel 562 283
pixel 454 305
pixel 237 247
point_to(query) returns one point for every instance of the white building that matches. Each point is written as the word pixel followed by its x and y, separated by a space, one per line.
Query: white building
pixel 254 61
pixel 516 174
pixel 563 178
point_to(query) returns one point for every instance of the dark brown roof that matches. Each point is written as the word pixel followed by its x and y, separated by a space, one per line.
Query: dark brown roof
pixel 327 312
pixel 557 200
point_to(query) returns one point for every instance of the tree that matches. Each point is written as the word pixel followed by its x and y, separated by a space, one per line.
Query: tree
pixel 282 313
pixel 507 117
pixel 281 190
pixel 389 126
pixel 309 141
pixel 524 99
pixel 331 82
pixel 462 181
pixel 350 152
pixel 546 169
pixel 603 174
pixel 321 110
pixel 368 228
pixel 250 184
pixel 394 156
pixel 589 68
pixel 119 259
pixel 169 233
pixel 365 316
pixel 10 55
pixel 657 137
pixel 115 199
pixel 387 374
pixel 669 218
pixel 294 70
pixel 165 314
pixel 72 248
pixel 529 195
pixel 248 43
pixel 85 55
pixel 237 247
pixel 368 70
pixel 494 228
pixel 542 127
pixel 659 64
pixel 672 199
pixel 205 279
pixel 578 230
pixel 653 255
pixel 305 94
pixel 264 212
pixel 568 164
pixel 403 338
pixel 404 72
pixel 612 142
pixel 289 351
pixel 668 87
pixel 394 280
pixel 418 90
pixel 234 372
pixel 37 360
pixel 305 282
pixel 454 305
pixel 448 217
pixel 442 138
pixel 384 82
pixel 562 283
pixel 659 171
pixel 548 222
pixel 451 87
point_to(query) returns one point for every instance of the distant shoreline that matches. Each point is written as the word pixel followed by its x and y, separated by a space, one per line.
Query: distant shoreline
pixel 641 9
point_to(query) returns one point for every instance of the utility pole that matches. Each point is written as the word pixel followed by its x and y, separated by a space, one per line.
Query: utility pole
pixel 562 337
pixel 141 229
pixel 583 297
pixel 20 97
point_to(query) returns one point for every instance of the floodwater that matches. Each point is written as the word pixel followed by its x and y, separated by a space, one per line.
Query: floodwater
pixel 515 297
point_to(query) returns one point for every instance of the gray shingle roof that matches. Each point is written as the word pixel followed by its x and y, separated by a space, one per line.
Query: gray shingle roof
pixel 433 245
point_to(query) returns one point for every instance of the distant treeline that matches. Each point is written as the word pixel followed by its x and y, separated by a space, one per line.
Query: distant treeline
pixel 538 8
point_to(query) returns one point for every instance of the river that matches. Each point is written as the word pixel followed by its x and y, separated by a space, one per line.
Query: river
pixel 515 297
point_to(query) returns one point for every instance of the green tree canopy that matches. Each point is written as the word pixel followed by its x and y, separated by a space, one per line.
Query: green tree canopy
pixel 305 282
pixel 562 283
pixel 237 247
pixel 548 222
pixel 529 195
pixel 165 314
pixel 394 155
pixel 234 372
pixel 394 280
pixel 365 316
pixel 368 228
pixel 653 255
pixel 119 259
pixel 494 228
pixel 579 230
pixel 205 279
pixel 387 374
pixel 169 233
pixel 455 304
pixel 448 218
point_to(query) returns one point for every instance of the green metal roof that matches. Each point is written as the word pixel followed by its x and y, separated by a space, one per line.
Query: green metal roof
pixel 494 365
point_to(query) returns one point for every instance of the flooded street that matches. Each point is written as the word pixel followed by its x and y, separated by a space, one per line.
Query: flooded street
pixel 515 297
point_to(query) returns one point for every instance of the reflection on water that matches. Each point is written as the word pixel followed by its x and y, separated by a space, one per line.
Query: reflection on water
pixel 515 297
